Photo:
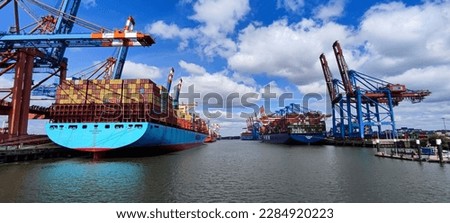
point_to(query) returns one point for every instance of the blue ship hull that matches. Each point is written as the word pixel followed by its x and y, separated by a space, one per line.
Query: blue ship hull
pixel 247 136
pixel 294 139
pixel 101 137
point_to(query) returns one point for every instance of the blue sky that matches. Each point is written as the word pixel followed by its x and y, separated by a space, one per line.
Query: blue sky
pixel 240 46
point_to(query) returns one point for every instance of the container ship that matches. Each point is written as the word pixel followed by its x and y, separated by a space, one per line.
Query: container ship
pixel 291 127
pixel 98 116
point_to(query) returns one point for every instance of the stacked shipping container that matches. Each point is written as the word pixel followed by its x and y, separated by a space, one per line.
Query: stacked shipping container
pixel 132 100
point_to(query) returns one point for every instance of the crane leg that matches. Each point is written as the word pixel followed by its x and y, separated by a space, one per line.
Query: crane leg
pixel 21 92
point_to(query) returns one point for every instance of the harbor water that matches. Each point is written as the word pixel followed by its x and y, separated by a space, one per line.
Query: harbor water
pixel 230 171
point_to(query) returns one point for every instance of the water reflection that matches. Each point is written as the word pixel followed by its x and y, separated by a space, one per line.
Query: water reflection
pixel 230 171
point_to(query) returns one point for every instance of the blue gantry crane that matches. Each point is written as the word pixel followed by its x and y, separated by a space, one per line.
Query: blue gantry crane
pixel 112 67
pixel 253 126
pixel 361 102
pixel 44 47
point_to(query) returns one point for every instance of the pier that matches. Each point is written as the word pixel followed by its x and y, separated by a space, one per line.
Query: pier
pixel 434 154
pixel 401 149
pixel 414 157
pixel 372 143
pixel 32 148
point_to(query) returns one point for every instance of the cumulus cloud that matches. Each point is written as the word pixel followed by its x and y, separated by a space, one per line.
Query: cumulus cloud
pixel 217 20
pixel 218 82
pixel 285 50
pixel 217 89
pixel 398 37
pixel 318 87
pixel 192 68
pixel 171 31
pixel 291 5
pixel 274 88
pixel 244 79
pixel 219 16
pixel 139 70
pixel 239 99
pixel 333 9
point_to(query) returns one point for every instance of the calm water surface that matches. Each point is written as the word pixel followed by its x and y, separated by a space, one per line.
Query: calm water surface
pixel 230 171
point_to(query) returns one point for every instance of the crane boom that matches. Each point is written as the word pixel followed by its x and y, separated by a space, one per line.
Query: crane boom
pixel 64 24
pixel 68 12
pixel 115 39
pixel 343 68
pixel 67 16
pixel 169 79
pixel 328 77
pixel 3 3
pixel 177 95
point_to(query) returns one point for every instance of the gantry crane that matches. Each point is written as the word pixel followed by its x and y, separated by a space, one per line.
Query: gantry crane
pixel 361 102
pixel 111 68
pixel 253 126
pixel 44 46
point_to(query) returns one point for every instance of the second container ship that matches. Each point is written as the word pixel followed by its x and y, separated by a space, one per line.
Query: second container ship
pixel 293 127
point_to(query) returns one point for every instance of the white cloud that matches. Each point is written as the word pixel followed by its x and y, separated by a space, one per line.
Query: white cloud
pixel 140 70
pixel 218 82
pixel 398 37
pixel 333 9
pixel 192 68
pixel 171 31
pixel 244 79
pixel 274 88
pixel 221 82
pixel 220 16
pixel 217 19
pixel 285 50
pixel 315 97
pixel 290 5
pixel 209 85
pixel 5 82
pixel 318 87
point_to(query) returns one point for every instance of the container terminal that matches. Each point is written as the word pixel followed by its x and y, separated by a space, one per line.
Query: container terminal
pixel 362 114
pixel 361 105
